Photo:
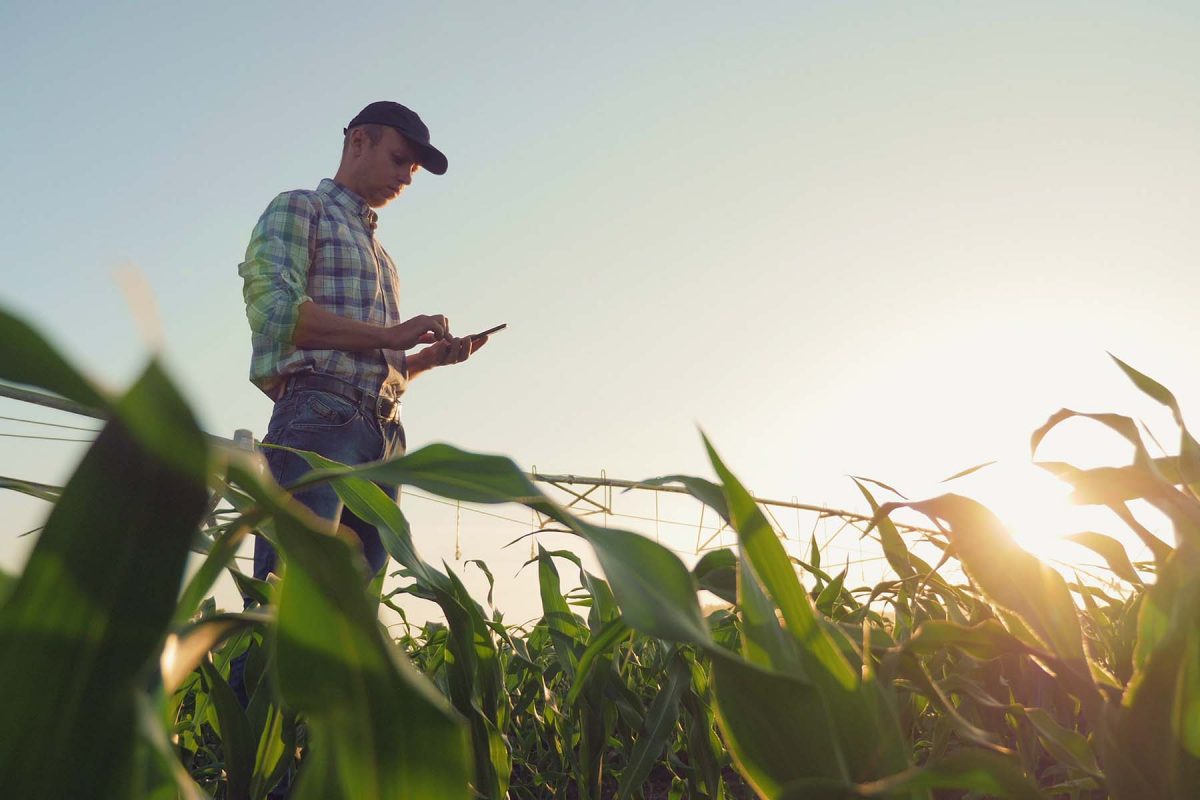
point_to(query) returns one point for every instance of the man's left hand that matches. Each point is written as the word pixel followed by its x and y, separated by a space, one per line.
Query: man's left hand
pixel 444 353
pixel 453 350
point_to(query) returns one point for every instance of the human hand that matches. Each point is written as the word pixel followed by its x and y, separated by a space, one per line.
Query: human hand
pixel 453 350
pixel 421 329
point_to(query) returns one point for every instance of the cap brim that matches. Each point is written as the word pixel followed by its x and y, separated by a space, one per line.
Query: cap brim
pixel 432 159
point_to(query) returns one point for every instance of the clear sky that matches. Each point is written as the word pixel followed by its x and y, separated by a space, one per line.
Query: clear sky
pixel 844 238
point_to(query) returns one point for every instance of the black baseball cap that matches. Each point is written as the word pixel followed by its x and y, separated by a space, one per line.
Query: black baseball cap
pixel 406 121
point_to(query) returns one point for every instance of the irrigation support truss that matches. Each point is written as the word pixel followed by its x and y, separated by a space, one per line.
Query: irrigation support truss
pixel 587 495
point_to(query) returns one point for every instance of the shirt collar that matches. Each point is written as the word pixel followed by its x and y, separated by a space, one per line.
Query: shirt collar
pixel 349 201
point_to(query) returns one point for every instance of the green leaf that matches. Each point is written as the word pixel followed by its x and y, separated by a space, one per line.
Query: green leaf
pixel 87 616
pixel 1189 449
pixel 602 642
pixel 237 743
pixel 1155 725
pixel 706 492
pixel 474 679
pixel 371 504
pixel 49 494
pixel 172 780
pixel 7 582
pixel 447 471
pixel 1009 575
pixel 827 600
pixel 655 591
pixel 1066 745
pixel 1112 551
pixel 988 773
pixel 483 567
pixel 276 743
pixel 218 558
pixel 985 640
pixel 565 629
pixel 658 728
pixel 1185 715
pixel 762 551
pixel 864 723
pixel 915 671
pixel 716 571
pixel 185 650
pixel 968 471
pixel 1146 480
pixel 26 357
pixel 764 640
pixel 894 548
pixel 379 728
pixel 776 727
pixel 258 591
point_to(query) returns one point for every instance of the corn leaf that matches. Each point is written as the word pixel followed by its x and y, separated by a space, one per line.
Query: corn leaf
pixel 776 727
pixel 987 773
pixel 659 724
pixel 1066 745
pixel 237 742
pixel 1112 551
pixel 379 729
pixel 864 722
pixel 87 616
pixel 1009 575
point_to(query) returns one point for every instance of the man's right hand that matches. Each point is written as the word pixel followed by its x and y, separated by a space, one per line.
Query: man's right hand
pixel 421 329
pixel 320 329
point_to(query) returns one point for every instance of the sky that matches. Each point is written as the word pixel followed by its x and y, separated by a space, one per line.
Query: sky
pixel 881 239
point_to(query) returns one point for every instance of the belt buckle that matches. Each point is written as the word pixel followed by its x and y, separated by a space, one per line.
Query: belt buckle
pixel 379 401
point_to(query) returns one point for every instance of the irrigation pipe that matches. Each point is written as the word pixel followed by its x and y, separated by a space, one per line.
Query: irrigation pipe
pixel 243 439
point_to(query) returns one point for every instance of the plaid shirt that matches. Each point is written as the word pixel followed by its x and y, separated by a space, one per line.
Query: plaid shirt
pixel 320 246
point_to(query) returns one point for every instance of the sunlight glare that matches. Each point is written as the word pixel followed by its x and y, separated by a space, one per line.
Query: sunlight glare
pixel 1036 508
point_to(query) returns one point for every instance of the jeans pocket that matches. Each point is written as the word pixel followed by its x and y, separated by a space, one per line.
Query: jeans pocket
pixel 323 411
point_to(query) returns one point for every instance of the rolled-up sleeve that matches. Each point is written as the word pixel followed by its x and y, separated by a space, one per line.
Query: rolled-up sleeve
pixel 275 272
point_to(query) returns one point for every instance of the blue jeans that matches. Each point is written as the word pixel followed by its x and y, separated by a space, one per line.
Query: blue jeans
pixel 333 426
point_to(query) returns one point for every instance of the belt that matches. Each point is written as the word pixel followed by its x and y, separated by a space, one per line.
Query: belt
pixel 384 408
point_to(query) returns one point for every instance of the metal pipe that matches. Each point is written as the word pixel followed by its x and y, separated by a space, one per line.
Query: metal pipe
pixel 620 484
pixel 243 440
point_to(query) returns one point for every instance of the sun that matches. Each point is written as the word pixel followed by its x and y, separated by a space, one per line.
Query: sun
pixel 1036 508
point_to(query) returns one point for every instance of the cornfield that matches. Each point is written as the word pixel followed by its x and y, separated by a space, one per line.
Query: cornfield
pixel 1010 681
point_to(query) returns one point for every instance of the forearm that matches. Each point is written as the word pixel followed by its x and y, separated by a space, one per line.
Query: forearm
pixel 320 329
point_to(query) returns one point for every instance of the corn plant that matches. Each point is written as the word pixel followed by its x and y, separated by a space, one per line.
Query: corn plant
pixel 1012 681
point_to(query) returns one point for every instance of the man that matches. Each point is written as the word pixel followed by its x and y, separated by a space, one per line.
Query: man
pixel 322 298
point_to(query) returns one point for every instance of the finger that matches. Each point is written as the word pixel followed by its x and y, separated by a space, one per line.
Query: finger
pixel 435 325
pixel 459 350
pixel 445 326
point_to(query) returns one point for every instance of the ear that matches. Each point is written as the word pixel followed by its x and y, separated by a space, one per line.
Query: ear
pixel 358 141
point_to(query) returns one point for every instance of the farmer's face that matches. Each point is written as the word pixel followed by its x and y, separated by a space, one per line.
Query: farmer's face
pixel 385 168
